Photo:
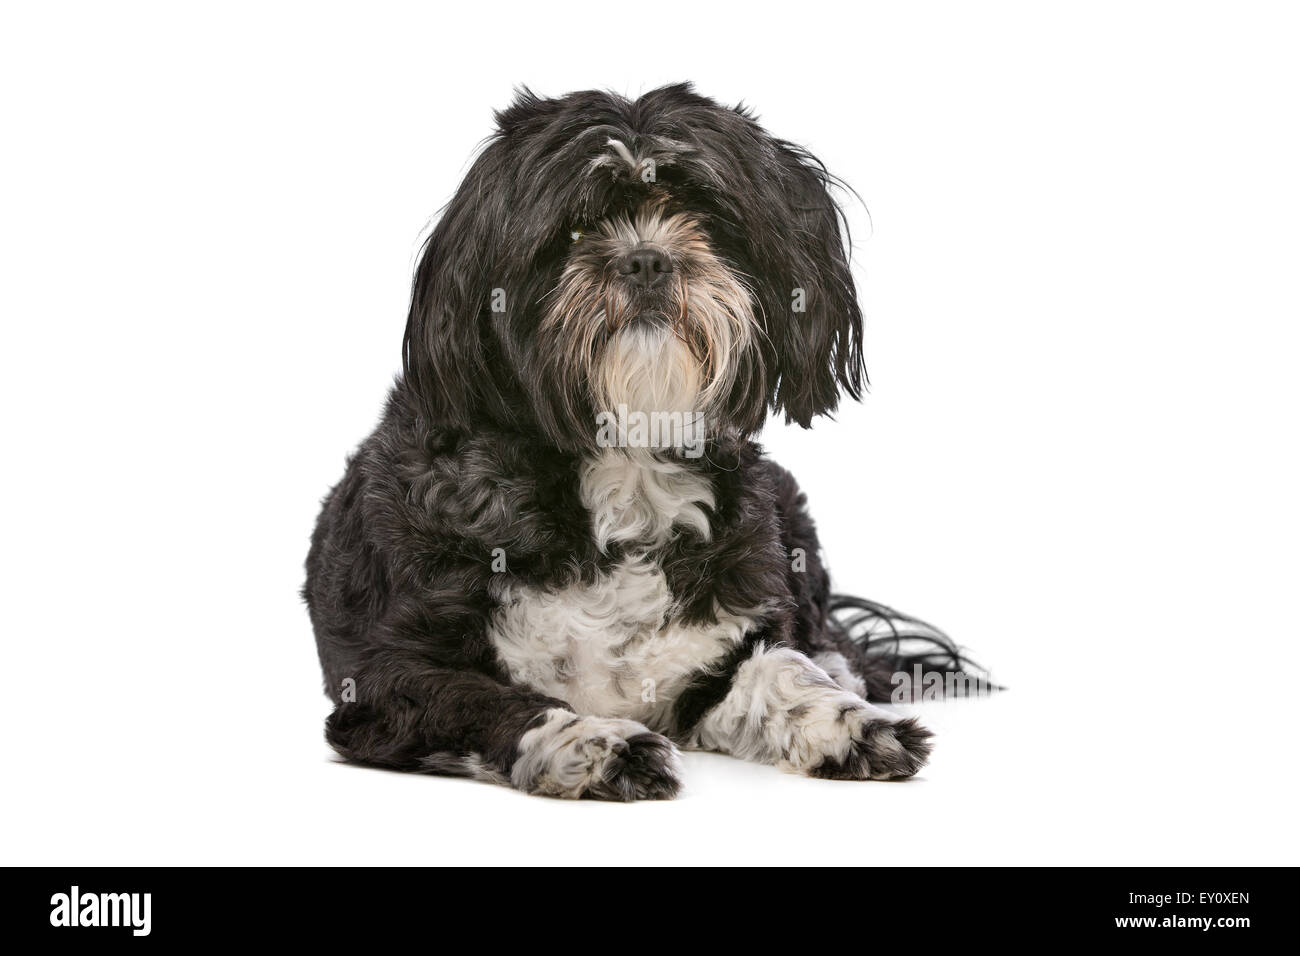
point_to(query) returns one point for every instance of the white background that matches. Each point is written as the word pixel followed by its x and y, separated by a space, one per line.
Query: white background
pixel 1078 455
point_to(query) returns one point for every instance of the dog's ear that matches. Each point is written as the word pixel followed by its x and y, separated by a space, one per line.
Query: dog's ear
pixel 447 350
pixel 460 348
pixel 812 317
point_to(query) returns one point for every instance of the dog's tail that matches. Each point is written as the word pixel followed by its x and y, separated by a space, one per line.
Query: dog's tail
pixel 900 657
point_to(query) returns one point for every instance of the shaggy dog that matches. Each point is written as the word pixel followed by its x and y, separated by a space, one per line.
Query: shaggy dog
pixel 560 557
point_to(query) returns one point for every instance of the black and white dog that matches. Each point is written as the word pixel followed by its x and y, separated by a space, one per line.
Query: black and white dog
pixel 560 556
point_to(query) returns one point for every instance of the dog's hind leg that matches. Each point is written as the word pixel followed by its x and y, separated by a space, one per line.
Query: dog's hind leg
pixel 865 647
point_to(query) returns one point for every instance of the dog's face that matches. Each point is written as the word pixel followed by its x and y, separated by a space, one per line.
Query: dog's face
pixel 607 258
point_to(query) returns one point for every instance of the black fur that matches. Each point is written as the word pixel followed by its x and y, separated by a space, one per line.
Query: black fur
pixel 476 451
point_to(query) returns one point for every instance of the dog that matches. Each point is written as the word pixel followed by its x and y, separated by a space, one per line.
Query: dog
pixel 560 557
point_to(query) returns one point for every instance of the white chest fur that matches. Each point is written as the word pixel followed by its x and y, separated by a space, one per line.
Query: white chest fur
pixel 616 647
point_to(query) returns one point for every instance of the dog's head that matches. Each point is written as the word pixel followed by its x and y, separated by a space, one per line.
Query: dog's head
pixel 607 257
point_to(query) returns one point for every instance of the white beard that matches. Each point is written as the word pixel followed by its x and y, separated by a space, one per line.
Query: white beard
pixel 650 386
pixel 649 369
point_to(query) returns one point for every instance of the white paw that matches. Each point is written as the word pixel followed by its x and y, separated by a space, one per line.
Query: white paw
pixel 597 757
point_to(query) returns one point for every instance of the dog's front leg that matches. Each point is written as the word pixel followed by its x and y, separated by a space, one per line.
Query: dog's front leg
pixel 412 717
pixel 783 709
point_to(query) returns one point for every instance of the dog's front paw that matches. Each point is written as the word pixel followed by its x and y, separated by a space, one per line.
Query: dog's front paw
pixel 878 749
pixel 596 757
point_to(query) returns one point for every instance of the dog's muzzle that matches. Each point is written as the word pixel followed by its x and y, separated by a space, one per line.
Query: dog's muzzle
pixel 646 267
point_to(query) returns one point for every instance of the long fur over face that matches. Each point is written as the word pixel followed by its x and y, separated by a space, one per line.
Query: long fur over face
pixel 517 309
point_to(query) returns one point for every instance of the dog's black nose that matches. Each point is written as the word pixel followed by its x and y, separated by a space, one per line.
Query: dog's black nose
pixel 645 266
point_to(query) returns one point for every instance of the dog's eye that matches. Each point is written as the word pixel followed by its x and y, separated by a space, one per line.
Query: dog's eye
pixel 576 235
